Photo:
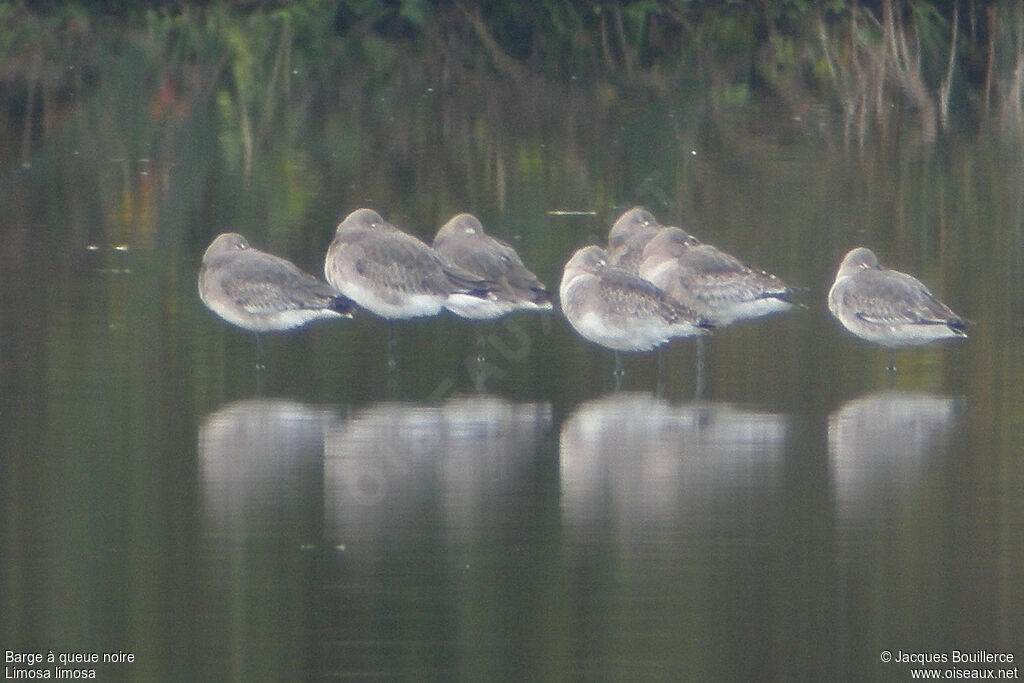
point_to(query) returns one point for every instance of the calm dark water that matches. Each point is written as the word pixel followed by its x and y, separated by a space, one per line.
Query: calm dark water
pixel 325 520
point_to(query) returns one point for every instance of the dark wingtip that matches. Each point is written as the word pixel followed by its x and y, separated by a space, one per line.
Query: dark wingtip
pixel 478 292
pixel 467 282
pixel 786 296
pixel 343 306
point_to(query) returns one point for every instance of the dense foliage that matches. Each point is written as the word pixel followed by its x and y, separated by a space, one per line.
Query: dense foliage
pixel 945 64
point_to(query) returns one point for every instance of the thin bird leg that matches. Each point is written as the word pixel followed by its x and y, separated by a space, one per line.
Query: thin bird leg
pixel 481 344
pixel 702 375
pixel 392 346
pixel 259 384
pixel 478 371
pixel 659 390
pixel 261 363
pixel 619 372
pixel 479 378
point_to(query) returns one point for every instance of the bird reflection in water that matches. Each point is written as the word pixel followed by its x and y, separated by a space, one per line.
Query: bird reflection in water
pixel 261 492
pixel 431 504
pixel 655 499
pixel 636 458
pixel 393 462
pixel 260 462
pixel 880 446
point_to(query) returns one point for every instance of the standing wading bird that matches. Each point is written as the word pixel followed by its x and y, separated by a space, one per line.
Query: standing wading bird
pixel 620 311
pixel 888 307
pixel 629 235
pixel 393 274
pixel 716 285
pixel 261 292
pixel 462 242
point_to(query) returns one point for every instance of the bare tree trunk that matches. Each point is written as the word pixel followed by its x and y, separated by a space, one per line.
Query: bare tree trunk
pixel 606 50
pixel 502 62
pixel 620 32
pixel 1012 104
pixel 34 88
pixel 991 58
pixel 947 85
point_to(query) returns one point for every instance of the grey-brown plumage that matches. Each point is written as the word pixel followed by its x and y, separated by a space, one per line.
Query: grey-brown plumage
pixel 618 310
pixel 261 292
pixel 629 235
pixel 462 242
pixel 393 274
pixel 715 284
pixel 888 307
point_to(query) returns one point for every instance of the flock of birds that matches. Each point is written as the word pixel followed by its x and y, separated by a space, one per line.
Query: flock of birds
pixel 651 285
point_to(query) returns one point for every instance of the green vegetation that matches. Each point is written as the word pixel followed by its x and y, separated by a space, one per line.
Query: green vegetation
pixel 871 65
pixel 312 105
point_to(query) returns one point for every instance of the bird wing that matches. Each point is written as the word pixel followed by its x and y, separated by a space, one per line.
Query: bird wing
pixel 721 276
pixel 262 283
pixel 402 263
pixel 628 294
pixel 888 297
pixel 495 261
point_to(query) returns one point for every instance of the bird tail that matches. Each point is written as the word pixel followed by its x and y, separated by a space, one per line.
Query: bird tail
pixel 342 306
pixel 541 296
pixel 469 283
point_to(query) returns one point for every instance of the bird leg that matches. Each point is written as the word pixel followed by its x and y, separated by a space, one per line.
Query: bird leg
pixel 261 363
pixel 481 345
pixel 392 347
pixel 702 377
pixel 659 390
pixel 619 372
